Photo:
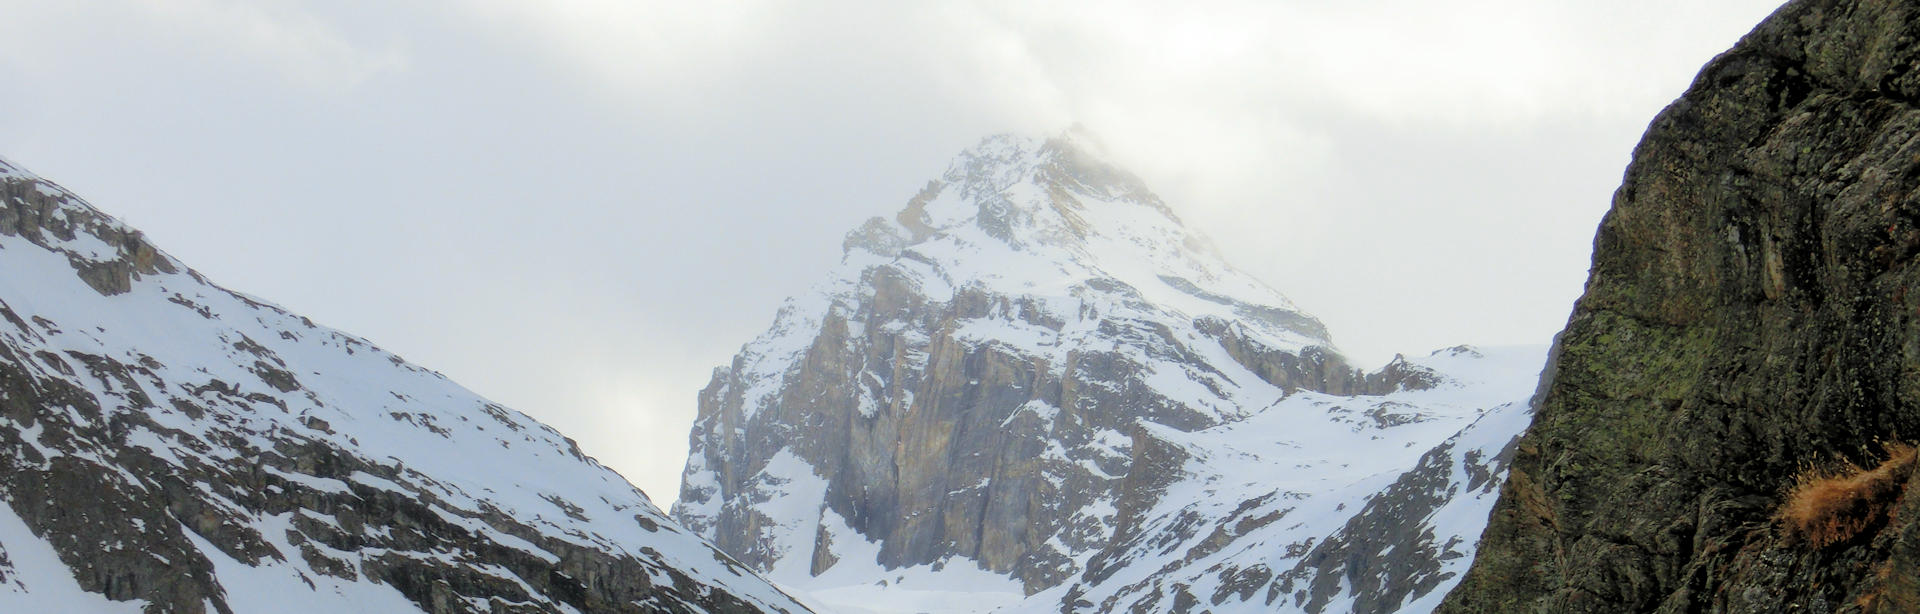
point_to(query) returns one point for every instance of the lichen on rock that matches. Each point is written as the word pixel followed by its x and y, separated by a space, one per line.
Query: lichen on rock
pixel 1749 312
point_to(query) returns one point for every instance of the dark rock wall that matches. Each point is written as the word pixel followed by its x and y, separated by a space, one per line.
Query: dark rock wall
pixel 1751 311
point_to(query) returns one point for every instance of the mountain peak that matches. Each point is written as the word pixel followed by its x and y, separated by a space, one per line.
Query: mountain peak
pixel 1019 215
pixel 1072 157
pixel 999 383
pixel 1023 191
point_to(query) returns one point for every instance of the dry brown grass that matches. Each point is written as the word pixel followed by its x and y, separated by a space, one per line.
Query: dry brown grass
pixel 1826 507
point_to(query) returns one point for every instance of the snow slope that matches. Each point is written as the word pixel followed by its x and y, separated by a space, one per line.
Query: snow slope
pixel 171 443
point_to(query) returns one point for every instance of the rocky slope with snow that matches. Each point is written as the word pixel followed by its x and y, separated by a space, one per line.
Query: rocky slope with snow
pixel 1317 503
pixel 167 445
pixel 1035 388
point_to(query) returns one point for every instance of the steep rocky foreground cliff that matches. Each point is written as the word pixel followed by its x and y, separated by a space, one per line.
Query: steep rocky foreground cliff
pixel 167 445
pixel 1034 388
pixel 1753 312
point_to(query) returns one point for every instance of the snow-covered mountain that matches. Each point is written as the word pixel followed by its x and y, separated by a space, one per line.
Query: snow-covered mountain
pixel 1035 389
pixel 172 446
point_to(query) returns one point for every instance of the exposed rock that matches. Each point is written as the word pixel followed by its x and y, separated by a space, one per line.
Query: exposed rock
pixel 1750 314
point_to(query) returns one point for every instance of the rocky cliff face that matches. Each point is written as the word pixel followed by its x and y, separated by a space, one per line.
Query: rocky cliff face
pixel 966 384
pixel 1751 314
pixel 169 446
pixel 967 405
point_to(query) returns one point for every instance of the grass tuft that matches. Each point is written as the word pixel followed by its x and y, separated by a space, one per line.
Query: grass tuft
pixel 1831 506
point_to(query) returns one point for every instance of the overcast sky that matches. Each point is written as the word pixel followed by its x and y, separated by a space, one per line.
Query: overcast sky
pixel 580 207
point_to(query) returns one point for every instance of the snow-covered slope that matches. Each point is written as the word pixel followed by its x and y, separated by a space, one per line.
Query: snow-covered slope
pixel 170 445
pixel 984 405
pixel 1318 503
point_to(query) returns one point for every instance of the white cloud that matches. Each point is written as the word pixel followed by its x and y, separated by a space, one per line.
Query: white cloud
pixel 280 34
pixel 278 38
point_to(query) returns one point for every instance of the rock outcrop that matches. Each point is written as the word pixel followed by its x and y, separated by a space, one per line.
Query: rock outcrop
pixel 167 445
pixel 1751 320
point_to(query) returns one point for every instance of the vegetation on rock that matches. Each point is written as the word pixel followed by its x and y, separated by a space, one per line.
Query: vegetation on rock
pixel 1835 505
